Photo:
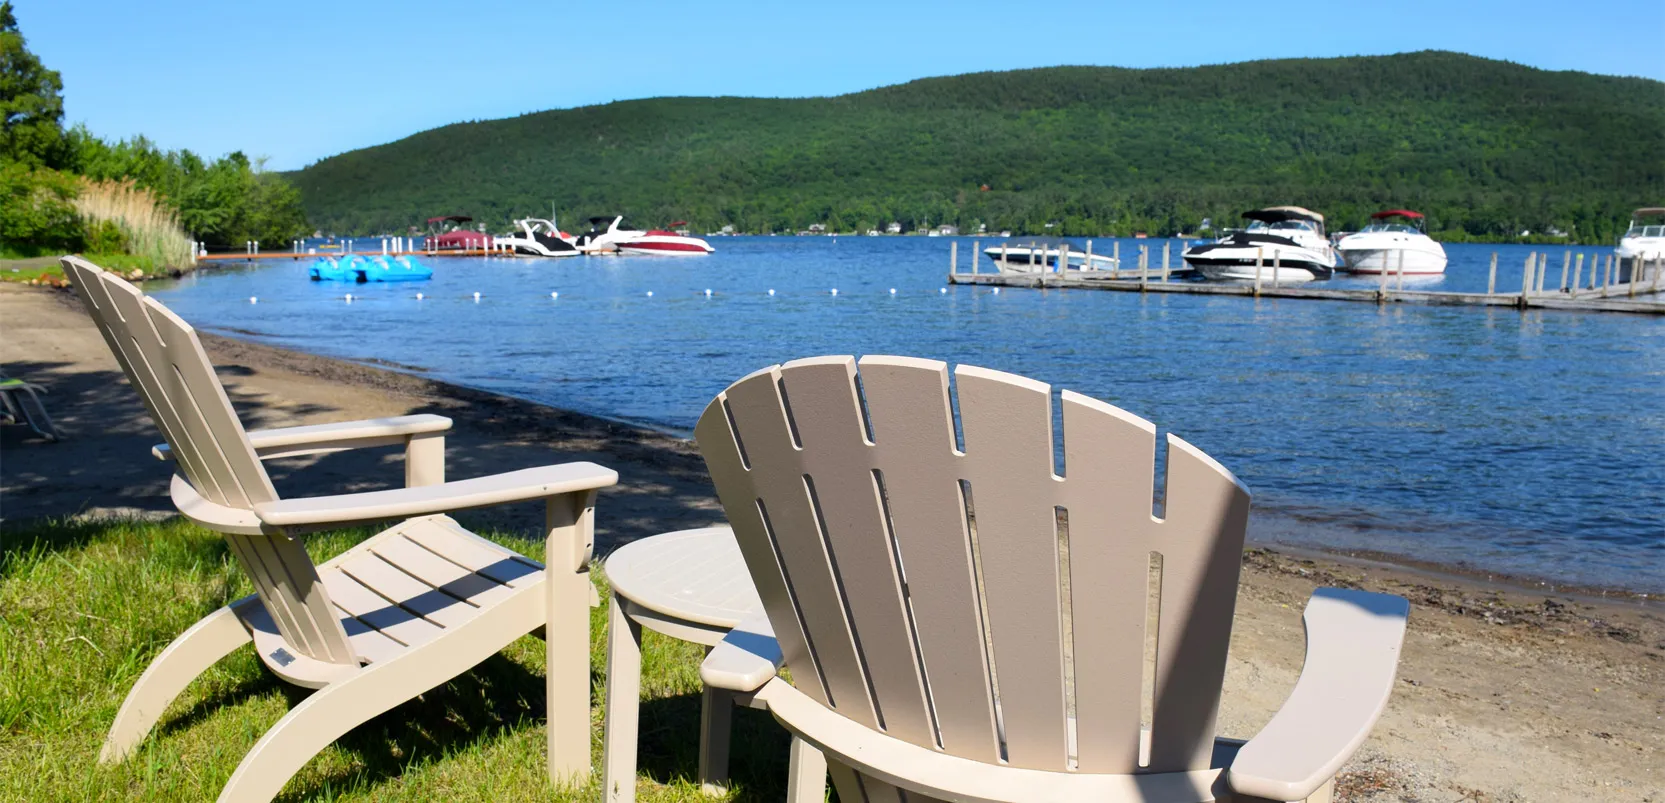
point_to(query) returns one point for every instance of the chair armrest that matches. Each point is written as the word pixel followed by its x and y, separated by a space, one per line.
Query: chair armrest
pixel 745 659
pixel 336 437
pixel 1353 641
pixel 496 489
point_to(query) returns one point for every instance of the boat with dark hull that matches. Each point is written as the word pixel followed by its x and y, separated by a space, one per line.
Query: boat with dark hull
pixel 1287 244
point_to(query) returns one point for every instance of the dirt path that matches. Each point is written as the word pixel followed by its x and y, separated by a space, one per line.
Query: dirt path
pixel 1502 695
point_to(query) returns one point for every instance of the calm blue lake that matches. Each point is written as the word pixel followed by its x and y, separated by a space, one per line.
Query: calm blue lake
pixel 1520 443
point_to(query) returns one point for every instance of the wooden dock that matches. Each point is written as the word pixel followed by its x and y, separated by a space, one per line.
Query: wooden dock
pixel 1644 295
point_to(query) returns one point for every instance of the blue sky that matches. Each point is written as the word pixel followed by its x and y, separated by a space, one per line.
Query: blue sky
pixel 300 80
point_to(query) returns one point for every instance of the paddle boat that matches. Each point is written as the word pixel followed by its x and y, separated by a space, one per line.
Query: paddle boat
pixel 354 268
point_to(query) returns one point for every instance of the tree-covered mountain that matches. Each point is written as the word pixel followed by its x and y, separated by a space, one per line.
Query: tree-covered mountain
pixel 1486 148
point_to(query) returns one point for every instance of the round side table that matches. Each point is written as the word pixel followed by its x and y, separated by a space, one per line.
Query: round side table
pixel 690 585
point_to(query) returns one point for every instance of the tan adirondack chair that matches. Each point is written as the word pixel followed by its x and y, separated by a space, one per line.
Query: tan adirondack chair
pixel 393 617
pixel 966 624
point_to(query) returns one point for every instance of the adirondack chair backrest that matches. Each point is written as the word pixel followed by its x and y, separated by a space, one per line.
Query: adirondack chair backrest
pixel 923 588
pixel 166 364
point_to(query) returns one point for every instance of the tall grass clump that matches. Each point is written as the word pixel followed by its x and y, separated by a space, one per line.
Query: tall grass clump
pixel 121 213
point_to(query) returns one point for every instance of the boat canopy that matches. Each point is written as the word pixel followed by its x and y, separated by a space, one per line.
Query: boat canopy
pixel 451 219
pixel 1396 213
pixel 1274 214
pixel 1649 211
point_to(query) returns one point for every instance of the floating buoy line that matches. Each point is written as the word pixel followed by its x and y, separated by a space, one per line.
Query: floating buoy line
pixel 478 296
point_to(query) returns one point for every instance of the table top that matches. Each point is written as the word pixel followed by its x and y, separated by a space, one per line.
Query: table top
pixel 695 575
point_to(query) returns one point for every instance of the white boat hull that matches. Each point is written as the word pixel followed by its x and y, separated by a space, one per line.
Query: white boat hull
pixel 1044 260
pixel 1276 263
pixel 1392 252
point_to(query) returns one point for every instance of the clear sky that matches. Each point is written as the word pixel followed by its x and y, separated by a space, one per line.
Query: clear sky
pixel 299 80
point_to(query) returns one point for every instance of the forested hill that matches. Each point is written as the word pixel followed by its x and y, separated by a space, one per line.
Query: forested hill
pixel 1486 148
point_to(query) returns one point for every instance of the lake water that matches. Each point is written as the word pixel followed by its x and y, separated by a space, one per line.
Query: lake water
pixel 1521 443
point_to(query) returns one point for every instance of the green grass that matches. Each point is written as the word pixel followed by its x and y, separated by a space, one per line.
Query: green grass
pixel 28 269
pixel 84 606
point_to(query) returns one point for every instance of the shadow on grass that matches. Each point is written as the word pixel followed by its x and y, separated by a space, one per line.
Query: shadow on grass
pixel 669 748
pixel 480 705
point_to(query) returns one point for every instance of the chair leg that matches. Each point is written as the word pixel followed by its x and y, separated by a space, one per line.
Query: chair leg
pixel 189 655
pixel 624 690
pixel 806 778
pixel 716 729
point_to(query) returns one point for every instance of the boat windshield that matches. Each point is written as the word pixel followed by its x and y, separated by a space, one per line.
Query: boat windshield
pixel 1639 230
pixel 1402 228
pixel 1283 226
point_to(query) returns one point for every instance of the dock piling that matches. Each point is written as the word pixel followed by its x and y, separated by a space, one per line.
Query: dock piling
pixel 1165 247
pixel 1566 262
pixel 1578 272
pixel 1277 262
pixel 1399 280
pixel 954 257
pixel 976 251
pixel 1526 276
pixel 1259 257
pixel 1144 268
pixel 1491 280
pixel 1088 265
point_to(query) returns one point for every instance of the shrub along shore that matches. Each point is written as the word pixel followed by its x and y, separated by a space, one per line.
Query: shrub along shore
pixel 1504 694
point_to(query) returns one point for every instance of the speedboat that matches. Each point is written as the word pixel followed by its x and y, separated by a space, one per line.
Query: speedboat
pixel 539 238
pixel 1038 254
pixel 1286 242
pixel 1395 241
pixel 611 234
pixel 1644 240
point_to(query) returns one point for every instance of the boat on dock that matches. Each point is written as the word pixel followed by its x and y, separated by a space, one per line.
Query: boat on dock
pixel 1644 240
pixel 1287 243
pixel 609 234
pixel 539 238
pixel 1396 241
pixel 446 233
pixel 1041 255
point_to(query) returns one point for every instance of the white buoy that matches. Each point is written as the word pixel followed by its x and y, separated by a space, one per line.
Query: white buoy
pixel 893 291
pixel 554 294
pixel 707 292
pixel 650 294
pixel 835 291
pixel 771 291
pixel 418 296
pixel 943 291
pixel 349 298
pixel 997 291
pixel 254 299
pixel 476 295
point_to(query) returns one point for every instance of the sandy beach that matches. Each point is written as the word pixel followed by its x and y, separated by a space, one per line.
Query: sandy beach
pixel 1503 694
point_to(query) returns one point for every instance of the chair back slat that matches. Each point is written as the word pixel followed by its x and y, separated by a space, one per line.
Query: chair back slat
pixel 1201 542
pixel 924 583
pixel 837 459
pixel 790 525
pixel 1007 424
pixel 913 434
pixel 167 365
pixel 1110 463
pixel 96 296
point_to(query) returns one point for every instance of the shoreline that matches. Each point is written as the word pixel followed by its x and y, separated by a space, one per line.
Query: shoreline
pixel 1503 693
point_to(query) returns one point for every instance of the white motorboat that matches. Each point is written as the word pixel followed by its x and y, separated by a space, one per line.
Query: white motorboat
pixel 1396 241
pixel 611 234
pixel 539 238
pixel 1040 255
pixel 1287 244
pixel 1644 240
